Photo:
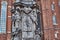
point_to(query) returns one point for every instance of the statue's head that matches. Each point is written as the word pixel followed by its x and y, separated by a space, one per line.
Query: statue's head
pixel 27 9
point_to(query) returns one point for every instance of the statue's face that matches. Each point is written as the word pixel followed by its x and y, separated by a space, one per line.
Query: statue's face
pixel 27 9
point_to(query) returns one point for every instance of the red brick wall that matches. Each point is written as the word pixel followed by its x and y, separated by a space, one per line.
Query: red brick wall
pixel 2 36
pixel 9 19
pixel 58 19
pixel 7 36
pixel 47 19
pixel 49 28
pixel 0 6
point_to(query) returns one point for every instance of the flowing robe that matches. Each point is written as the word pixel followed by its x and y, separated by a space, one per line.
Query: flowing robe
pixel 26 20
pixel 29 22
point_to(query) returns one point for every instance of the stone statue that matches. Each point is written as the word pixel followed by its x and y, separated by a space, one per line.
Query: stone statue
pixel 24 22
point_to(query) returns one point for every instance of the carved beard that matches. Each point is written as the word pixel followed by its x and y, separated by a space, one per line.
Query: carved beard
pixel 27 10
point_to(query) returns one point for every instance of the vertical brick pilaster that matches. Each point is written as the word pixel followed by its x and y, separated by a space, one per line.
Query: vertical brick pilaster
pixel 9 20
pixel 47 20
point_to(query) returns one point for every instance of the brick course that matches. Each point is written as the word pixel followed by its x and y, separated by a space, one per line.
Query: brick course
pixel 48 28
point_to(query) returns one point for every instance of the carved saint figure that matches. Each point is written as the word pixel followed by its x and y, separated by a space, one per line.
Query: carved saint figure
pixel 24 23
